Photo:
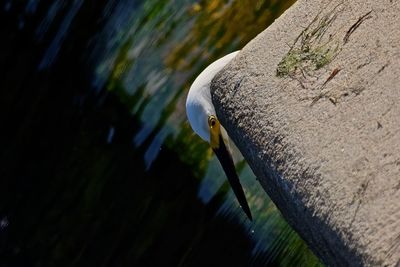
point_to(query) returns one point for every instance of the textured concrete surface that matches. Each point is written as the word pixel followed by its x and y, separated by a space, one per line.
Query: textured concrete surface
pixel 313 103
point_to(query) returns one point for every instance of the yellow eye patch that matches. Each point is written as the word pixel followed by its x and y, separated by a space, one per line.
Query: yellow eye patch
pixel 215 131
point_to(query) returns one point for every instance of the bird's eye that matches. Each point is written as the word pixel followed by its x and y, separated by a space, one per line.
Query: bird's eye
pixel 212 120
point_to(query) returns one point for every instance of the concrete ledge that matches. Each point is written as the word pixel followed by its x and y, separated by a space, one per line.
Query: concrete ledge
pixel 313 103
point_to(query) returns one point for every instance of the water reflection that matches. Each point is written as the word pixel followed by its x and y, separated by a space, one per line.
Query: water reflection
pixel 100 166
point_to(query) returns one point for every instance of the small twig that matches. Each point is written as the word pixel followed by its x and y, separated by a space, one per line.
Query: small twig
pixel 298 80
pixel 321 95
pixel 333 74
pixel 383 67
pixel 355 26
pixel 316 98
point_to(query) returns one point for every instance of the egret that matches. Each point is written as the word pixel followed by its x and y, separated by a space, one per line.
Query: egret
pixel 204 122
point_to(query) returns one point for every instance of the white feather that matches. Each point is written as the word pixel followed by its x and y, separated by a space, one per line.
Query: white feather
pixel 199 105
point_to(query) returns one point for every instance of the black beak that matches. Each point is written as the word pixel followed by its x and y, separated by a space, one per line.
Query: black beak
pixel 226 161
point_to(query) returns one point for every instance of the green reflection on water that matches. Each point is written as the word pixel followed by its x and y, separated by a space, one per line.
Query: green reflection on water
pixel 203 32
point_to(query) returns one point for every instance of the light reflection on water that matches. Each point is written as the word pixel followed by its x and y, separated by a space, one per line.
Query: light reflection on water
pixel 155 49
pixel 145 64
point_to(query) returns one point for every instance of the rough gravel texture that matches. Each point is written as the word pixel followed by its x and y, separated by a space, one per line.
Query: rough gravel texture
pixel 313 103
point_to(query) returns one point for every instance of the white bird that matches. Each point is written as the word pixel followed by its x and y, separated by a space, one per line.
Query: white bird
pixel 204 122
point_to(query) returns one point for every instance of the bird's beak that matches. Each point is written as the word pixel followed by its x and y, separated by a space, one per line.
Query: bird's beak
pixel 225 158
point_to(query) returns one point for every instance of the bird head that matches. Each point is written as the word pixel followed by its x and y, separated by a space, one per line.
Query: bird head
pixel 204 122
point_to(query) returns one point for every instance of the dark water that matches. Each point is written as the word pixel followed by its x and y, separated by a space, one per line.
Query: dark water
pixel 99 166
